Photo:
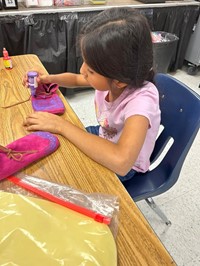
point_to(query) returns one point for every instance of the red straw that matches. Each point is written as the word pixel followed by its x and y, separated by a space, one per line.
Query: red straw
pixel 96 216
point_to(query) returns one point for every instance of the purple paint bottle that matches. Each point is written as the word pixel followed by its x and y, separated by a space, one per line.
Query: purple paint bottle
pixel 32 81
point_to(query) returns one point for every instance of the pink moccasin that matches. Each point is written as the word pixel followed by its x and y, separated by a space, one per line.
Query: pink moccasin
pixel 47 100
pixel 25 151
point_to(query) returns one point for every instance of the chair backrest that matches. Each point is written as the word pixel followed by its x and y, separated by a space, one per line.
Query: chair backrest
pixel 180 117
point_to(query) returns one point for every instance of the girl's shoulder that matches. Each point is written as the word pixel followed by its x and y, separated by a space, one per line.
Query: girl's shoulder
pixel 147 88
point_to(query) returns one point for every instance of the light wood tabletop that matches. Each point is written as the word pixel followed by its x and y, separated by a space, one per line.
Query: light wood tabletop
pixel 136 242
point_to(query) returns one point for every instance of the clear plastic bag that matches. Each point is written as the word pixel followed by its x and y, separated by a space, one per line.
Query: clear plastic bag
pixel 104 208
pixel 52 233
pixel 39 232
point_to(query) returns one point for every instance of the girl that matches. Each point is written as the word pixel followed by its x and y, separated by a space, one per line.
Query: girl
pixel 117 56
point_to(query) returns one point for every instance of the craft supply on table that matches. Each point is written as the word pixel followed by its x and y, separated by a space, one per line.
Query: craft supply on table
pixel 32 81
pixel 98 217
pixel 103 208
pixel 7 59
pixel 46 99
pixel 26 150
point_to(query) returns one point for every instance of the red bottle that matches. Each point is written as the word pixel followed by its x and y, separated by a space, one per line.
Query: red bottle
pixel 6 59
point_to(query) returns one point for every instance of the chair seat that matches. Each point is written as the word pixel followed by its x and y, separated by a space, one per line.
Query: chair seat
pixel 143 186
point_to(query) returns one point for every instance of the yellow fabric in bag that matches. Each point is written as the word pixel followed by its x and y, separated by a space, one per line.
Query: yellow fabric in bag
pixel 39 232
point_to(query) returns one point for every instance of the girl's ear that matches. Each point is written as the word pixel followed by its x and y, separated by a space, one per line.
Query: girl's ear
pixel 119 84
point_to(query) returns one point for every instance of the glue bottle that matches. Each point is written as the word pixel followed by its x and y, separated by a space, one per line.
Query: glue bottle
pixel 6 59
pixel 32 82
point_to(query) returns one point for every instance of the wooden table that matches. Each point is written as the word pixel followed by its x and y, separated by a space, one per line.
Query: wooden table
pixel 137 244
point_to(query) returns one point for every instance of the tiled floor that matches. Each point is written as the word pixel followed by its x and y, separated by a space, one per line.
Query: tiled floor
pixel 181 203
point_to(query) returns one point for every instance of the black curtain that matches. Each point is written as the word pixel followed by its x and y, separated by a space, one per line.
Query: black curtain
pixel 53 37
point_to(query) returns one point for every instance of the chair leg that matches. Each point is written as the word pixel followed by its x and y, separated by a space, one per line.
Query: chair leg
pixel 157 210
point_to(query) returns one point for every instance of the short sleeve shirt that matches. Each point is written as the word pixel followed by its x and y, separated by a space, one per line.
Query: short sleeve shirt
pixel 111 117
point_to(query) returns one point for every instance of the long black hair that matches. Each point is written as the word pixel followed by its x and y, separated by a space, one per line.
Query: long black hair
pixel 117 44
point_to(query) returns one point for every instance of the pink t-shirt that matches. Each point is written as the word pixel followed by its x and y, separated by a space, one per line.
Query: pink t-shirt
pixel 112 115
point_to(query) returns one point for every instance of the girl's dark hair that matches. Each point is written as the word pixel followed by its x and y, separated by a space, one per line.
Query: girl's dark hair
pixel 117 44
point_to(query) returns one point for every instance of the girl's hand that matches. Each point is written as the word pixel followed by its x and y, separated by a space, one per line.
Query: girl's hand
pixel 44 122
pixel 42 78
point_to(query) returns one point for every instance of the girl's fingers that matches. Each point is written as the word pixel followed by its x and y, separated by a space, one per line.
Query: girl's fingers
pixel 33 127
pixel 31 119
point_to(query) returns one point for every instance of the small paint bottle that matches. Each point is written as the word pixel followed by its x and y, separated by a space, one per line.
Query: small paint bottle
pixel 32 81
pixel 6 59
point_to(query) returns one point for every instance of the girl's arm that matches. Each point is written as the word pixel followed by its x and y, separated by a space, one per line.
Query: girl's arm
pixel 69 80
pixel 118 157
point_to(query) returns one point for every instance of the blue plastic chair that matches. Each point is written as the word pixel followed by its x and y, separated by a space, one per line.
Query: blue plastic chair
pixel 180 117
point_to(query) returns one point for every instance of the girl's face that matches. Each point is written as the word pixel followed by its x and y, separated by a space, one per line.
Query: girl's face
pixel 97 81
